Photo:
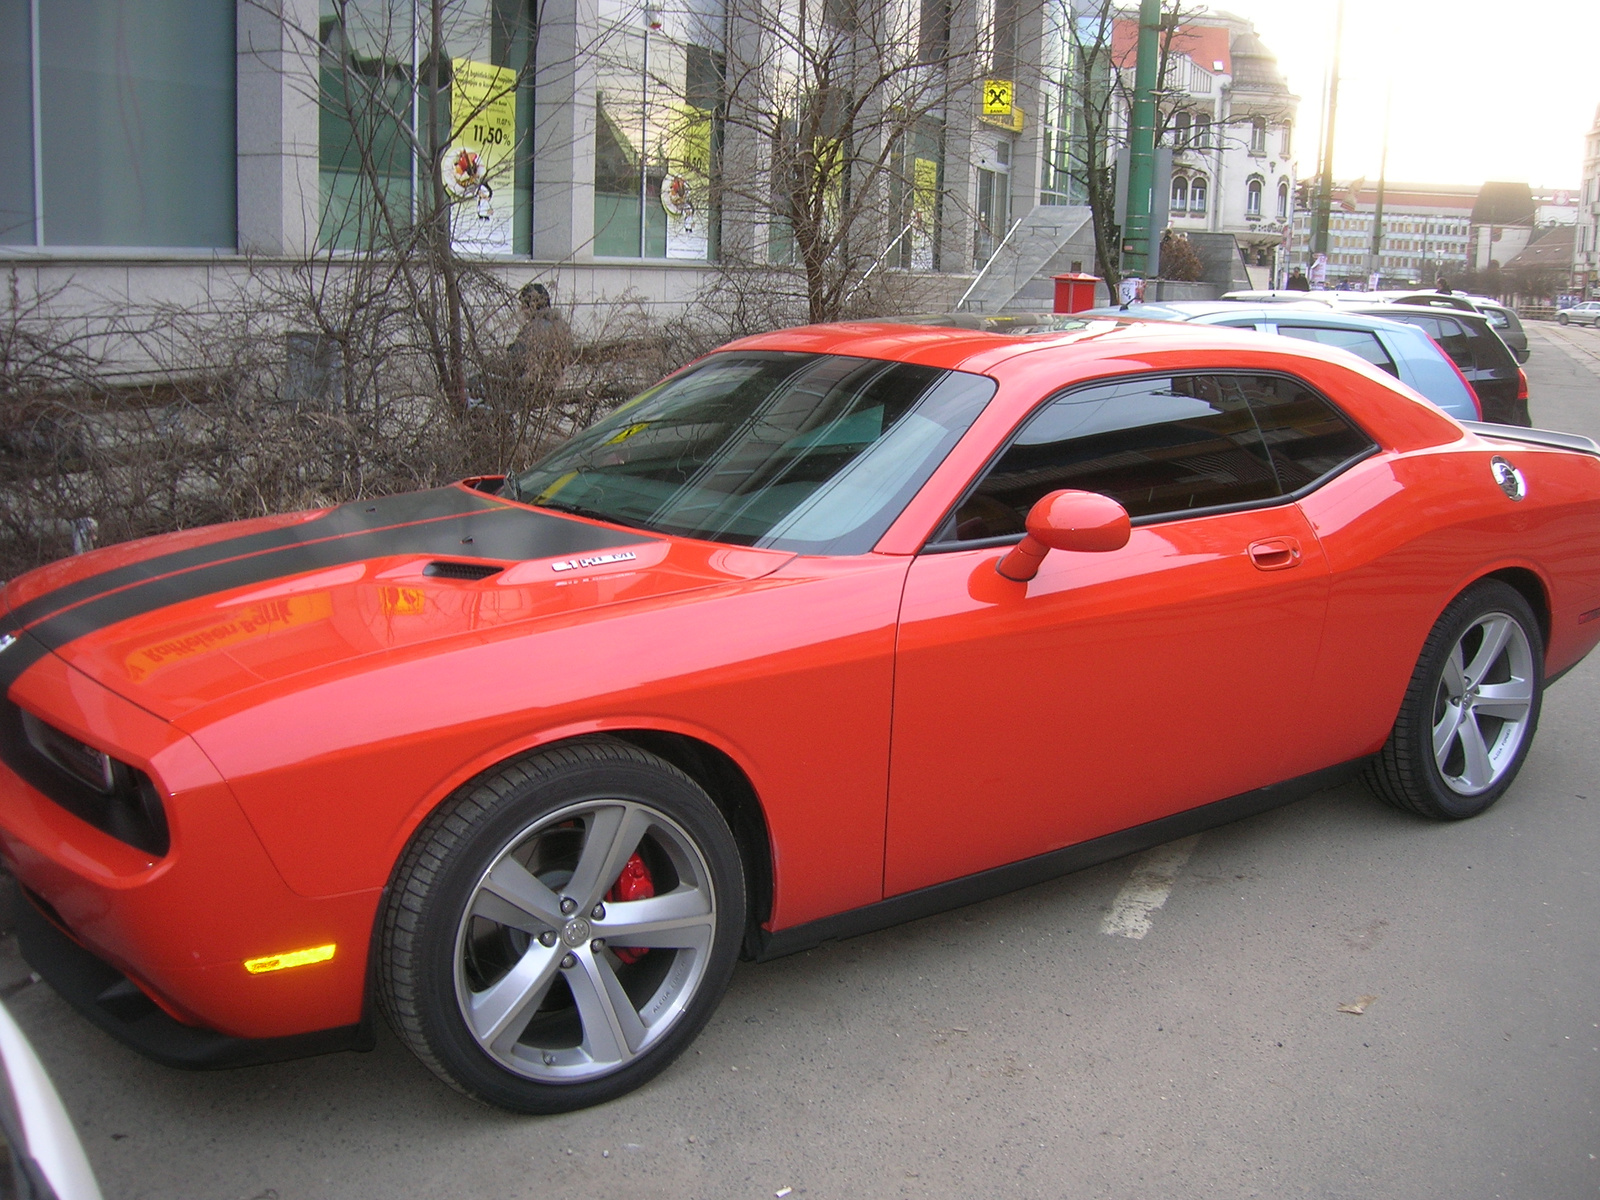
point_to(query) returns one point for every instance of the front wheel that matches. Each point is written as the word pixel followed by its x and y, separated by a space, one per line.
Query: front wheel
pixel 1561 318
pixel 1470 712
pixel 562 928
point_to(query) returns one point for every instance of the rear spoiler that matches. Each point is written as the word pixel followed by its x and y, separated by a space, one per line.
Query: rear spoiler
pixel 1535 437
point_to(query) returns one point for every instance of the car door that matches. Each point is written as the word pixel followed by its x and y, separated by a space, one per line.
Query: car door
pixel 1119 687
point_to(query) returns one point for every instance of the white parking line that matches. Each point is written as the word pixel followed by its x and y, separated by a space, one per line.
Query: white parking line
pixel 1147 889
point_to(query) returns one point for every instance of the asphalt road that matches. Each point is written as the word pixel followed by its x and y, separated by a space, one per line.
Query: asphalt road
pixel 1017 1048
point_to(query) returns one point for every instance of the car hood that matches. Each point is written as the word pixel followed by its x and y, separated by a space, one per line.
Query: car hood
pixel 178 622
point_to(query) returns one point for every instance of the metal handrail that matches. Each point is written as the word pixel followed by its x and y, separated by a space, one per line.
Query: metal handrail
pixel 877 262
pixel 978 278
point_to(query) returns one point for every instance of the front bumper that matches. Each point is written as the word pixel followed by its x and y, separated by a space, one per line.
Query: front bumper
pixel 129 932
pixel 109 999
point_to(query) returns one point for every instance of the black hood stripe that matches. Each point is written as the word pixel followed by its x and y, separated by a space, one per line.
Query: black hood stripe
pixel 492 529
pixel 359 516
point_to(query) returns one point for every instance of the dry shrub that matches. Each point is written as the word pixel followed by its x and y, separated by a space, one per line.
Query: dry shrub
pixel 304 387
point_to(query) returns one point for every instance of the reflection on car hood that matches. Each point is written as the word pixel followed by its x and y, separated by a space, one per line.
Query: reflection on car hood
pixel 177 622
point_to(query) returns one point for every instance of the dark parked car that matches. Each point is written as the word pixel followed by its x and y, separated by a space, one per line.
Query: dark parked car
pixel 1477 350
pixel 1503 320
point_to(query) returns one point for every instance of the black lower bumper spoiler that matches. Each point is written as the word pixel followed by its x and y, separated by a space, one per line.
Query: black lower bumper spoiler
pixel 112 1001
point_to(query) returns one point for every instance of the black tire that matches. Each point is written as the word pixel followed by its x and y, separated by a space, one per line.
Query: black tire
pixel 1475 714
pixel 453 943
pixel 1561 318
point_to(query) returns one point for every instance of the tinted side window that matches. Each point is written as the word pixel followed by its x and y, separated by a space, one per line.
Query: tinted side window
pixel 1306 435
pixel 1359 342
pixel 1156 446
pixel 1455 341
pixel 1489 351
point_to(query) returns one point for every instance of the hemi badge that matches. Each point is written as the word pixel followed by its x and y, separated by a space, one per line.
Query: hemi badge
pixel 573 564
pixel 1586 617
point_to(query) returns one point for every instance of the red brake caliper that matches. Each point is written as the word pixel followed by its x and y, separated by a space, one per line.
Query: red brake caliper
pixel 633 884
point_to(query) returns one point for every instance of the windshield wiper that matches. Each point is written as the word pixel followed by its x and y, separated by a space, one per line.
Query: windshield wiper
pixel 593 514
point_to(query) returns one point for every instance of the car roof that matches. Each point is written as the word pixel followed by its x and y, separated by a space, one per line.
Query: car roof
pixel 923 341
pixel 1400 312
pixel 1174 310
pixel 1215 312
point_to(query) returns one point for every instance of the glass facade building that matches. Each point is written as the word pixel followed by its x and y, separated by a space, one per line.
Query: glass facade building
pixel 117 124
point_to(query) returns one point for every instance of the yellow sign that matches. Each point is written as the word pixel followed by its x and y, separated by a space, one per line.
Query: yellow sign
pixel 1013 121
pixel 688 180
pixel 479 166
pixel 997 97
pixel 924 211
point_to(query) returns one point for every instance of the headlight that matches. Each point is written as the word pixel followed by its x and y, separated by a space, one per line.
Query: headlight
pixel 110 795
pixel 78 759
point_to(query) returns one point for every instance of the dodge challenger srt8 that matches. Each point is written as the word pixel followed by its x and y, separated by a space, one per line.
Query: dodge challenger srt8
pixel 833 628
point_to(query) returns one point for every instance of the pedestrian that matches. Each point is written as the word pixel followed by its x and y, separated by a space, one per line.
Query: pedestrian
pixel 1297 281
pixel 1443 286
pixel 541 323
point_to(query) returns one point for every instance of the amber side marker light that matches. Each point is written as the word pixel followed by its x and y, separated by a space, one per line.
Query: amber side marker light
pixel 294 958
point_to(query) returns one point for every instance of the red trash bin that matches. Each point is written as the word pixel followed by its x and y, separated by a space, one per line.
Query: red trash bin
pixel 1075 292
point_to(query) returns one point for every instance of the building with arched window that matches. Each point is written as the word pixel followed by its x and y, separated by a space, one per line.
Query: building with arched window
pixel 1228 116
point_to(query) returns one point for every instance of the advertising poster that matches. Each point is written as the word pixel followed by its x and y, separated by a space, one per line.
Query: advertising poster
pixel 688 178
pixel 924 211
pixel 479 167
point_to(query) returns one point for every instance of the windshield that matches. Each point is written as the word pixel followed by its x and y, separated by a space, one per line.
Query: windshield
pixel 806 452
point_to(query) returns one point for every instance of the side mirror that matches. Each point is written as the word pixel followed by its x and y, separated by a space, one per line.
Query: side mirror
pixel 1066 520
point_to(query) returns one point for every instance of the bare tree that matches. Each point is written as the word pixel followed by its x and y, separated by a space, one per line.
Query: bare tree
pixel 835 115
pixel 1098 82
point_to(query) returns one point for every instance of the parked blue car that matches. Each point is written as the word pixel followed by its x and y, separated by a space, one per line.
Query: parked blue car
pixel 1404 351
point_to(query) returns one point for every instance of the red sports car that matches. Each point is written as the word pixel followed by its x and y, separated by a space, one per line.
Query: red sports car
pixel 833 628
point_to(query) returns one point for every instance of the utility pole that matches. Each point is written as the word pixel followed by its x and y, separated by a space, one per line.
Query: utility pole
pixel 1376 266
pixel 1142 142
pixel 1319 221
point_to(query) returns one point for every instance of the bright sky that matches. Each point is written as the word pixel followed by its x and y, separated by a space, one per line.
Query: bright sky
pixel 1483 89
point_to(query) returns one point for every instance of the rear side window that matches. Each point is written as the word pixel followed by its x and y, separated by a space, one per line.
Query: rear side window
pixel 1489 352
pixel 1307 437
pixel 1452 338
pixel 1456 342
pixel 1360 342
pixel 1163 447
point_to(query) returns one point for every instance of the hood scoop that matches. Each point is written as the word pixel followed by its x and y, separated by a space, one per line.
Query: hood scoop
pixel 445 569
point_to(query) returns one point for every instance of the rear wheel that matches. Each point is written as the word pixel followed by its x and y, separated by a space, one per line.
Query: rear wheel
pixel 1470 712
pixel 561 930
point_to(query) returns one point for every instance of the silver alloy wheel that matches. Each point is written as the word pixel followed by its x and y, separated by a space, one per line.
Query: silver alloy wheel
pixel 1480 712
pixel 539 984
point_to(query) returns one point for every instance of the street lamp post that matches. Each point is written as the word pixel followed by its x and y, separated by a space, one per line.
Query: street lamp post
pixel 1142 142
